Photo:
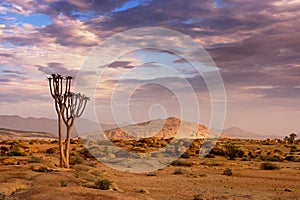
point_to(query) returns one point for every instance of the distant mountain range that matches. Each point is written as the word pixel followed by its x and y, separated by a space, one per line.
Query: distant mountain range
pixel 17 124
pixel 235 132
pixel 7 134
pixel 45 125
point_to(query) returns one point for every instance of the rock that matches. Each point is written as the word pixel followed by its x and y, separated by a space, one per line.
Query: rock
pixel 9 161
pixel 288 190
pixel 144 191
pixel 111 155
pixel 10 188
pixel 149 140
pixel 41 168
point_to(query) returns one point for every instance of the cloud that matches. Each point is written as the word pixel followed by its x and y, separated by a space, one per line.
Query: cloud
pixel 54 68
pixel 121 64
pixel 254 43
pixel 6 55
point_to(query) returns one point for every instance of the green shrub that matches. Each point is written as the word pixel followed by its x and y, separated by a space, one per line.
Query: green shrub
pixel 104 184
pixel 227 172
pixel 15 153
pixel 268 166
pixel 63 184
pixel 231 151
pixel 275 158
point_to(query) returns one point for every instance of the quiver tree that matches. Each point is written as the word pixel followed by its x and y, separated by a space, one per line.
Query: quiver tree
pixel 74 107
pixel 68 106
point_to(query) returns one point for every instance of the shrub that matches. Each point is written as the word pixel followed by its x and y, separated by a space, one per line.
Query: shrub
pixel 210 155
pixel 35 160
pixel 263 157
pixel 292 158
pixel 42 169
pixel 218 151
pixel 63 184
pixel 275 158
pixel 15 153
pixel 185 155
pixel 246 158
pixel 76 160
pixel 294 147
pixel 231 151
pixel 104 184
pixel 86 153
pixel 227 172
pixel 178 171
pixel 152 174
pixel 268 166
pixel 197 197
pixel 182 163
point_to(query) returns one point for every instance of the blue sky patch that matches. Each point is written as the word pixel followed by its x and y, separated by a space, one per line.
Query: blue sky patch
pixel 130 4
pixel 37 19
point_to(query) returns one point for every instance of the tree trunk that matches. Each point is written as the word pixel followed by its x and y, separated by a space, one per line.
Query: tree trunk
pixel 62 160
pixel 67 150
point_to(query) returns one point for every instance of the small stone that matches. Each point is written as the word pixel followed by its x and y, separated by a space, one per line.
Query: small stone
pixel 288 190
pixel 144 191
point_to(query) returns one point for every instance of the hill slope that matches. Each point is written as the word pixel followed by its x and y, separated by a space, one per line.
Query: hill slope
pixel 45 125
pixel 161 128
pixel 235 132
pixel 8 134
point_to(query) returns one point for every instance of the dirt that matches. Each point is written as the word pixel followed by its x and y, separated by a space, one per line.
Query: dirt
pixel 203 180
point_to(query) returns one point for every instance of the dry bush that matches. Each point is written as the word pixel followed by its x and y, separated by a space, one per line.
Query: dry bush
pixel 227 172
pixel 104 184
pixel 178 171
pixel 35 160
pixel 184 163
pixel 268 166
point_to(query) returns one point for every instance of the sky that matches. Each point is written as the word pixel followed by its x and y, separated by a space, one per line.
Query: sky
pixel 254 44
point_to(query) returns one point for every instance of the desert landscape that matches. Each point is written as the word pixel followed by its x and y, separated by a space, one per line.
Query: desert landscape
pixel 234 169
pixel 149 100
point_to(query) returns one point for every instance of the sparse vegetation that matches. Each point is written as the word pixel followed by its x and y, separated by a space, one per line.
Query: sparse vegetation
pixel 104 184
pixel 178 171
pixel 63 184
pixel 268 166
pixel 35 160
pixel 42 169
pixel 231 151
pixel 227 172
pixel 182 163
pixel 76 160
pixel 15 153
pixel 198 197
